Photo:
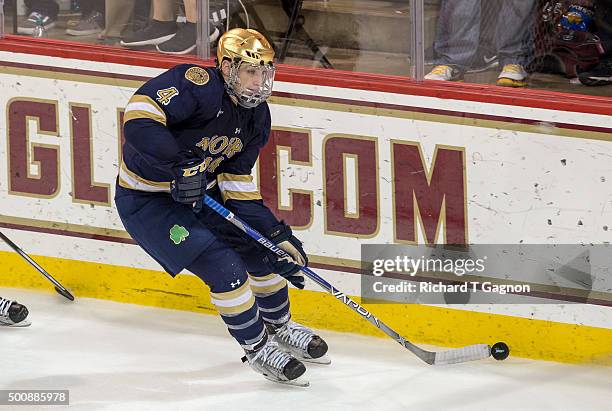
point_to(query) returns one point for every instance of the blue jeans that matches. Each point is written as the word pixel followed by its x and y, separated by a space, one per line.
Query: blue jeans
pixel 458 31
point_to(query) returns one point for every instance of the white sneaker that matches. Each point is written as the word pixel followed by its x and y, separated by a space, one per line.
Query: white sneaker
pixel 444 73
pixel 34 19
pixel 512 75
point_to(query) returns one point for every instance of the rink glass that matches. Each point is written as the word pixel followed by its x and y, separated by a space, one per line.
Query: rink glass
pixel 388 37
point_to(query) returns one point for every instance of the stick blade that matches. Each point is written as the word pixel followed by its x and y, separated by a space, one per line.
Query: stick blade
pixel 65 293
pixel 464 354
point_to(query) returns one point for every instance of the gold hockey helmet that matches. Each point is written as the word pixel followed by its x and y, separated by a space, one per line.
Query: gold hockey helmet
pixel 247 47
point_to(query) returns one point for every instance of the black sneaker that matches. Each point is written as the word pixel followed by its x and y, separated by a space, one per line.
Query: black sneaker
pixel 28 26
pixel 185 40
pixel 154 33
pixel 135 25
pixel 600 75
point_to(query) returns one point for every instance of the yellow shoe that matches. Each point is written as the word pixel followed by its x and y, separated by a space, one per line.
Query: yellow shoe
pixel 512 75
pixel 444 73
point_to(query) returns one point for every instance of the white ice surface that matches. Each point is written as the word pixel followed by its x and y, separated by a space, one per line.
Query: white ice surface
pixel 115 356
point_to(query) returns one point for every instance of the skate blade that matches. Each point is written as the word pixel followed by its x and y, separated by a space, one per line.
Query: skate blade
pixel 324 360
pixel 24 323
pixel 298 382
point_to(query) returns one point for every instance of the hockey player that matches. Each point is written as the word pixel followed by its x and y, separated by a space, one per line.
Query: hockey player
pixel 195 130
pixel 13 314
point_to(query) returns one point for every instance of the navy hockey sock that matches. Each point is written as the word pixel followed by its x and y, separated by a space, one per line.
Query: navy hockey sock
pixel 230 292
pixel 272 296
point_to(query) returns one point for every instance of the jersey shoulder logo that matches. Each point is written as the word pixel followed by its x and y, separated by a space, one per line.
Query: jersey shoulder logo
pixel 197 75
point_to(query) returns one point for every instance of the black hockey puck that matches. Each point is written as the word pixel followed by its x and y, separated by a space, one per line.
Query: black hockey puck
pixel 500 351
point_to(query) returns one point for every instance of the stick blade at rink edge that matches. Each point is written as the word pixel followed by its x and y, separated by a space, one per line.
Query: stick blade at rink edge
pixel 58 287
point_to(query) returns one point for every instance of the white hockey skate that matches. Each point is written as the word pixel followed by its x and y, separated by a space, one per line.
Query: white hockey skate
pixel 300 341
pixel 276 365
pixel 13 314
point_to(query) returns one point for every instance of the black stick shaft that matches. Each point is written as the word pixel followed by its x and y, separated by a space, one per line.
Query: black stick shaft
pixel 58 287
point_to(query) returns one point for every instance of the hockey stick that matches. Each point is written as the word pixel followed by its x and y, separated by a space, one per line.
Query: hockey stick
pixel 457 355
pixel 58 287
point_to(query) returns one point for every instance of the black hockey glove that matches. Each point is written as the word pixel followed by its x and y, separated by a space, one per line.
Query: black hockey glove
pixel 189 184
pixel 282 236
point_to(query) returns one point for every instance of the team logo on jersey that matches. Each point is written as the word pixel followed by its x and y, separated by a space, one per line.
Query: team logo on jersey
pixel 197 75
pixel 228 147
pixel 178 234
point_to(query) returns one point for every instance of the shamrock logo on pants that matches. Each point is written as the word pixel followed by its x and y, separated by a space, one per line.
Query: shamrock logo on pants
pixel 178 234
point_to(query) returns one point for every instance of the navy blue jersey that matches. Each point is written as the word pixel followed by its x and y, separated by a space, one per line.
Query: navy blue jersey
pixel 185 107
